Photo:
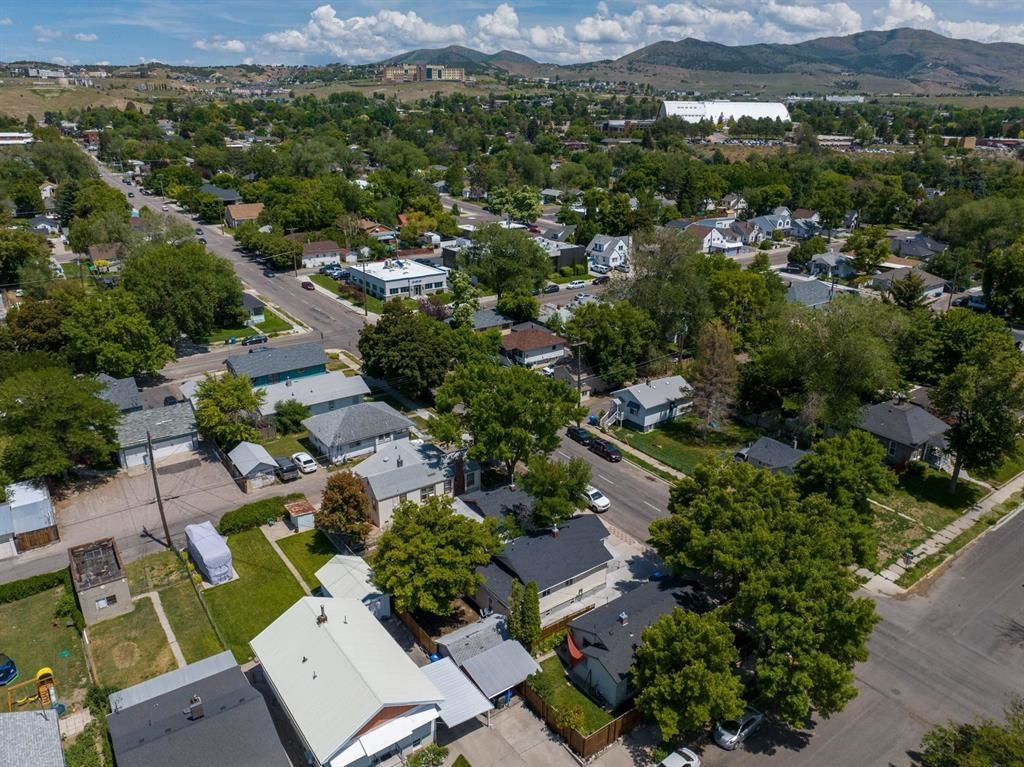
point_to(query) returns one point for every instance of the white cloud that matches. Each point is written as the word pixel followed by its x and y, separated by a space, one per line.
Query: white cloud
pixel 798 22
pixel 103 63
pixel 6 21
pixel 45 34
pixel 906 13
pixel 219 43
pixel 86 37
pixel 982 31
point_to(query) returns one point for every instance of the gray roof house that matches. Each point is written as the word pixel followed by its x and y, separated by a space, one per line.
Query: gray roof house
pixel 485 319
pixel 602 643
pixel 908 432
pixel 356 430
pixel 252 461
pixel 226 196
pixel 500 668
pixel 172 429
pixel 31 739
pixel 469 641
pixel 768 453
pixel 810 293
pixel 123 392
pixel 402 470
pixel 498 502
pixel 657 400
pixel 609 251
pixel 323 393
pixel 269 365
pixel 203 713
pixel 27 520
pixel 932 286
pixel 255 308
pixel 567 564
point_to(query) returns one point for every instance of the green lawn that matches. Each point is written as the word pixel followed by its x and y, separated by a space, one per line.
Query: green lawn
pixel 328 283
pixel 264 590
pixel 563 694
pixel 680 445
pixel 273 323
pixel 289 444
pixel 1005 471
pixel 308 551
pixel 29 636
pixel 130 648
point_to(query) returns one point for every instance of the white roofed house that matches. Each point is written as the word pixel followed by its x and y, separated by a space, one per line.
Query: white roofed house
pixel 655 401
pixel 352 694
pixel 320 393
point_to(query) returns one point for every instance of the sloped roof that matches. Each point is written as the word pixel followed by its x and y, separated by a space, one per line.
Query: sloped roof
pixel 658 391
pixel 319 247
pixel 498 502
pixel 462 699
pixel 174 420
pixel 489 318
pixel 251 459
pixel 530 339
pixel 356 422
pixel 31 739
pixel 313 390
pixel 350 654
pixel 246 210
pixel 501 668
pixel 250 302
pixel 277 360
pixel 773 454
pixel 808 292
pixel 471 640
pixel 902 422
pixel 348 576
pixel 123 392
pixel 224 195
pixel 403 467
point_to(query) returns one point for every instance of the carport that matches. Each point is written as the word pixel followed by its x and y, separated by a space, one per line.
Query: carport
pixel 462 700
pixel 499 669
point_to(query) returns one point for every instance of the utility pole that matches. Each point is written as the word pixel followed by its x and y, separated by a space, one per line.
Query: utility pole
pixel 956 278
pixel 579 365
pixel 156 486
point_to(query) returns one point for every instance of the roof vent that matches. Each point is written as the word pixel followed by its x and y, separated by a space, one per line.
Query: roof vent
pixel 321 619
pixel 624 618
pixel 195 708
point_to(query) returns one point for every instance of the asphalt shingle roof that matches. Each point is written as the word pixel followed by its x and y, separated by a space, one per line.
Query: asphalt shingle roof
pixel 773 454
pixel 356 422
pixel 660 391
pixel 161 423
pixel 808 293
pixel 902 422
pixel 30 739
pixel 123 392
pixel 277 360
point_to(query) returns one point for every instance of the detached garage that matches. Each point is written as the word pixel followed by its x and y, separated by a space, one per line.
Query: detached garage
pixel 172 429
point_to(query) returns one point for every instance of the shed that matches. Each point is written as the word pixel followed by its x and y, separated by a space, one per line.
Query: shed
pixel 500 668
pixel 100 582
pixel 462 700
pixel 209 552
pixel 27 520
pixel 347 576
pixel 301 514
pixel 252 465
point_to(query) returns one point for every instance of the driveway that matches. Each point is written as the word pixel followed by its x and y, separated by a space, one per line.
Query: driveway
pixel 516 738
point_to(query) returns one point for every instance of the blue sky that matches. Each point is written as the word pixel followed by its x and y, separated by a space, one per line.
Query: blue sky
pixel 298 31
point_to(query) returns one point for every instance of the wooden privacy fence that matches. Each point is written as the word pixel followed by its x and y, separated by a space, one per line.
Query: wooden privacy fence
pixel 563 623
pixel 585 746
pixel 421 636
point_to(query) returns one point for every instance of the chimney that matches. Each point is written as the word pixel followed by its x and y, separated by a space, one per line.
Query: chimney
pixel 321 619
pixel 195 708
pixel 623 618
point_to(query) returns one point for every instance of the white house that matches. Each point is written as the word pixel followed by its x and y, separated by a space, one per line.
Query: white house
pixel 356 430
pixel 321 253
pixel 398 278
pixel 609 251
pixel 408 471
pixel 346 576
pixel 320 393
pixel 255 309
pixel 352 694
pixel 657 400
pixel 931 286
pixel 714 239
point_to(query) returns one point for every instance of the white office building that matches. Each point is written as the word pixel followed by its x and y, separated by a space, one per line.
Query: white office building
pixel 723 111
pixel 398 278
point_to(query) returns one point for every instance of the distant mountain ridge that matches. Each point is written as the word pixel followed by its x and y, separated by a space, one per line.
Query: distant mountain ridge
pixel 458 56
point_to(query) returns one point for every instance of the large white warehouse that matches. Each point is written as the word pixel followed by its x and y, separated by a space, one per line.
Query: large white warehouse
pixel 723 111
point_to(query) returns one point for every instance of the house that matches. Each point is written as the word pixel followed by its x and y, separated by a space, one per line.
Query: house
pixel 562 254
pixel 398 278
pixel 567 565
pixel 832 265
pixel 48 227
pixel 714 240
pixel 602 643
pixel 908 432
pixel 321 253
pixel 804 229
pixel 748 232
pixel 657 400
pixel 775 456
pixel 242 212
pixel 550 196
pixel 322 393
pixel 810 293
pixel 27 520
pixel 408 471
pixel 485 319
pixel 172 429
pixel 577 372
pixel 932 286
pixel 346 576
pixel 498 669
pixel 532 345
pixel 252 465
pixel 562 233
pixel 377 231
pixel 774 222
pixel 917 246
pixel 356 430
pixel 31 739
pixel 733 204
pixel 226 196
pixel 122 392
pixel 47 190
pixel 101 584
pixel 268 366
pixel 498 502
pixel 255 309
pixel 803 214
pixel 351 693
pixel 609 251
pixel 202 713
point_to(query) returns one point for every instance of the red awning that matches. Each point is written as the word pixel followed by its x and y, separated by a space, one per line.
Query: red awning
pixel 575 654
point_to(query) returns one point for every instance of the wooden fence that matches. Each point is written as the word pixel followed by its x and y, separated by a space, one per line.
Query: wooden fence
pixel 421 636
pixel 563 623
pixel 585 746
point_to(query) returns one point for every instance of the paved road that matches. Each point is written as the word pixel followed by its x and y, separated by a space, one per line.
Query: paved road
pixel 954 652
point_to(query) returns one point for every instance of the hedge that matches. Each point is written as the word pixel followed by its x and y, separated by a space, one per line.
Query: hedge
pixel 254 514
pixel 16 590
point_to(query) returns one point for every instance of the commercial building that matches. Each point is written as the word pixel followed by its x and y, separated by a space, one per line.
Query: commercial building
pixel 412 73
pixel 723 111
pixel 398 278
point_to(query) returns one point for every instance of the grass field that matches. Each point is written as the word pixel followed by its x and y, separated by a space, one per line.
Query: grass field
pixel 562 695
pixel 130 648
pixel 289 444
pixel 273 323
pixel 29 636
pixel 308 551
pixel 1005 471
pixel 264 590
pixel 679 444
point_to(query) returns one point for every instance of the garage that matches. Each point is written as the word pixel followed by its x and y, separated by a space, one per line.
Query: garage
pixel 172 430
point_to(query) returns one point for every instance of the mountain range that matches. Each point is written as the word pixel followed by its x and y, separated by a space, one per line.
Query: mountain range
pixel 919 57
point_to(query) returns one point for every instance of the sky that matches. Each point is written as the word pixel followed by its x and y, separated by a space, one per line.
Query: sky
pixel 212 32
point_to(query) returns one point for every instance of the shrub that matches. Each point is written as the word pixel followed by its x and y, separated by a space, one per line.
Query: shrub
pixel 580 270
pixel 26 587
pixel 430 756
pixel 254 514
pixel 566 271
pixel 916 469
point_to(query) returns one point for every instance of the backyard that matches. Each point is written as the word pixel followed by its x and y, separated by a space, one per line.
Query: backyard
pixel 130 648
pixel 680 445
pixel 31 635
pixel 555 689
pixel 308 551
pixel 289 444
pixel 262 592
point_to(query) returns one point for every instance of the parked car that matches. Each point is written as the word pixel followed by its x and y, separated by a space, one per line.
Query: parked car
pixel 604 279
pixel 684 757
pixel 600 269
pixel 533 229
pixel 201 241
pixel 8 670
pixel 306 285
pixel 605 449
pixel 269 273
pixel 622 268
pixel 286 470
pixel 131 194
pixel 551 288
pixel 596 500
pixel 579 298
pixel 305 462
pixel 169 400
pixel 961 300
pixel 199 231
pixel 578 434
pixel 164 208
pixel 732 733
pixel 254 340
pixel 575 285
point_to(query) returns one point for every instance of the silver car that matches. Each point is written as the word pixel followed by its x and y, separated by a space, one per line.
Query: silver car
pixel 731 733
pixel 684 757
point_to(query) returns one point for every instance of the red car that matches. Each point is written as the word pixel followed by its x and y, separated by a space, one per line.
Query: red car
pixel 309 286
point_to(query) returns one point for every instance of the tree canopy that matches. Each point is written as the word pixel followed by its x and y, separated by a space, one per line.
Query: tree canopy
pixel 557 488
pixel 505 259
pixel 345 507
pixel 617 339
pixel 981 743
pixel 226 409
pixel 408 348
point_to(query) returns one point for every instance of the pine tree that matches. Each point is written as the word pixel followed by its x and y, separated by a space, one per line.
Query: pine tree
pixel 514 619
pixel 714 375
pixel 529 616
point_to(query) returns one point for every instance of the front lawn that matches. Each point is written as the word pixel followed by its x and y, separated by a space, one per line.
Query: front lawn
pixel 31 635
pixel 558 692
pixel 680 445
pixel 325 282
pixel 308 551
pixel 272 323
pixel 130 648
pixel 1006 471
pixel 263 590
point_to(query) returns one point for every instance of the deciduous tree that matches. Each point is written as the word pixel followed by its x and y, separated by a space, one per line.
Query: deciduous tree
pixel 345 507
pixel 289 415
pixel 227 408
pixel 617 339
pixel 981 743
pixel 714 375
pixel 407 348
pixel 870 247
pixel 504 259
pixel 557 488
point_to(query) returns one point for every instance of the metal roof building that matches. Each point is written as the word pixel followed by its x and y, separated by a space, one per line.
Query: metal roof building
pixel 462 700
pixel 723 111
pixel 501 668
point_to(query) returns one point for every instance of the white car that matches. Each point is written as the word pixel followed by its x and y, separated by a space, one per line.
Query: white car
pixel 305 462
pixel 575 285
pixel 729 735
pixel 596 500
pixel 684 757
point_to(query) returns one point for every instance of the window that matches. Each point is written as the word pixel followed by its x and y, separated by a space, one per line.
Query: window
pixel 633 408
pixel 892 448
pixel 426 492
pixel 107 601
pixel 449 485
